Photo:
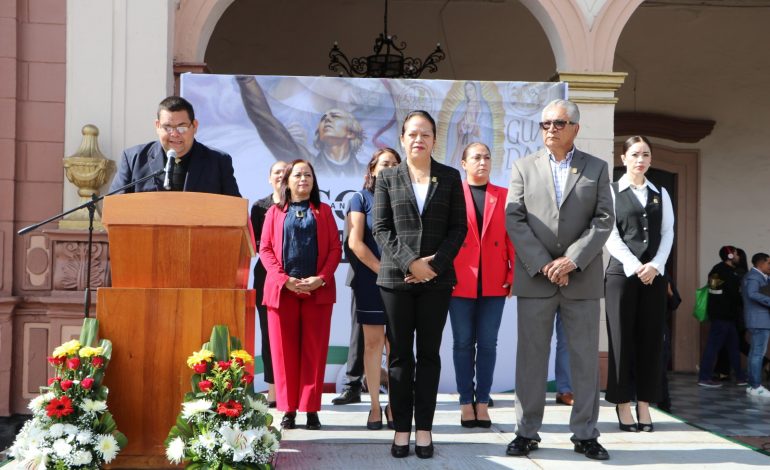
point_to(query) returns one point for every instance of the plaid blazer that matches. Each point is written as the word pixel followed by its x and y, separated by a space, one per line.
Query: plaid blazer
pixel 405 235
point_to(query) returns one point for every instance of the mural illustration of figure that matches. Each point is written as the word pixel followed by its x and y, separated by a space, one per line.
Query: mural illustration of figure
pixel 466 124
pixel 338 137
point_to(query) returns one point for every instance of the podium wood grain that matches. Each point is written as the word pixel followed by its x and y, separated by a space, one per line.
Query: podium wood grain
pixel 153 331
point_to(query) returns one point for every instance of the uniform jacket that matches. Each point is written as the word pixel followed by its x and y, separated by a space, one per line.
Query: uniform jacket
pixel 542 232
pixel 404 235
pixel 756 305
pixel 497 256
pixel 271 255
pixel 210 170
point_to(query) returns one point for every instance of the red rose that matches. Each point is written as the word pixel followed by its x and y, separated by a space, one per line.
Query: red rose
pixel 205 385
pixel 97 362
pixel 66 384
pixel 55 361
pixel 224 365
pixel 239 361
pixel 59 407
pixel 73 363
pixel 247 378
pixel 87 383
pixel 200 368
pixel 53 380
pixel 230 408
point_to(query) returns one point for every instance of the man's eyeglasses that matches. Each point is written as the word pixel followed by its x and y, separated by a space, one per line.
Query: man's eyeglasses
pixel 178 129
pixel 558 124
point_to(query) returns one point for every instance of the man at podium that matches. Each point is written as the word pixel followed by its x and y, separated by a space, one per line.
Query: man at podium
pixel 196 167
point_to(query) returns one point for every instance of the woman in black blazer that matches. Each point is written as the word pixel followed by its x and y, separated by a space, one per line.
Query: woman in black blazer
pixel 419 224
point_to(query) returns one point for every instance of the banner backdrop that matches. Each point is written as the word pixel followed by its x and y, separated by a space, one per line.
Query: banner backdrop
pixel 337 123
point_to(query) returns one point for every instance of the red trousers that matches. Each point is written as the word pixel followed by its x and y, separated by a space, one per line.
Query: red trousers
pixel 299 343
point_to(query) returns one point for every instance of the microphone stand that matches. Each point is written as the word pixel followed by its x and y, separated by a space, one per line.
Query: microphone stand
pixel 91 206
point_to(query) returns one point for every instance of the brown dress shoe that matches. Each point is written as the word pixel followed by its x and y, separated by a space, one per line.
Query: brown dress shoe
pixel 565 398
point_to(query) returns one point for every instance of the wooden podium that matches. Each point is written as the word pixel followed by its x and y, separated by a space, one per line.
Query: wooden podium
pixel 180 264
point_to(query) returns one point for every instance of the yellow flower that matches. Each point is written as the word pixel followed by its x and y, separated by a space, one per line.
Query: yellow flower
pixel 67 349
pixel 199 356
pixel 242 355
pixel 88 351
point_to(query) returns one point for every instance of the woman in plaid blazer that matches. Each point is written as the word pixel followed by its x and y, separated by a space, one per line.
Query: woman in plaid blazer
pixel 419 224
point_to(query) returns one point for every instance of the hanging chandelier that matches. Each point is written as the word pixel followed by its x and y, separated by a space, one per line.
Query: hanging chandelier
pixel 388 60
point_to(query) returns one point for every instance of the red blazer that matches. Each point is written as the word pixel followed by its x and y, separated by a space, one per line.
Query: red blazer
pixel 271 255
pixel 497 257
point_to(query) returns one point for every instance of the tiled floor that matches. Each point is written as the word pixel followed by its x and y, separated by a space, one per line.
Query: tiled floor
pixel 726 411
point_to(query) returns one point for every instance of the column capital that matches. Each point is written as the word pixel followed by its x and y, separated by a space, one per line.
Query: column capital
pixel 592 87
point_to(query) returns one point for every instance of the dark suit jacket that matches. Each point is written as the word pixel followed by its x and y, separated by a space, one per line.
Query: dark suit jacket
pixel 405 235
pixel 210 170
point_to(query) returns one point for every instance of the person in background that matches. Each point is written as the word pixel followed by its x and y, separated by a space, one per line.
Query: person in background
pixel 419 224
pixel 635 287
pixel 300 248
pixel 724 306
pixel 756 302
pixel 484 281
pixel 258 211
pixel 364 256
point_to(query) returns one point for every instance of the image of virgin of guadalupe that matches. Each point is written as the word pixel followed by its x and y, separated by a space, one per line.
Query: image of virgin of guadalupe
pixel 470 122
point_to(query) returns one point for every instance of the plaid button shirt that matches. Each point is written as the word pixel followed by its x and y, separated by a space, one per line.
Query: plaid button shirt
pixel 560 171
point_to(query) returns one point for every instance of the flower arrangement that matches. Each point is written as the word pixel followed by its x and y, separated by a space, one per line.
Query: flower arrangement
pixel 70 425
pixel 223 424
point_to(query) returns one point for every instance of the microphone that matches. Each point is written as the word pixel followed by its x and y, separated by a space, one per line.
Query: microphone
pixel 171 155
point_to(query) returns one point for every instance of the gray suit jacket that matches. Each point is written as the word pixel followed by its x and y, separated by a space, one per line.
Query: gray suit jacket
pixel 542 232
pixel 756 304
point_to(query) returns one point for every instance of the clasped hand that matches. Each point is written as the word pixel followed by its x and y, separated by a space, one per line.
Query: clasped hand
pixel 303 286
pixel 646 273
pixel 420 270
pixel 557 271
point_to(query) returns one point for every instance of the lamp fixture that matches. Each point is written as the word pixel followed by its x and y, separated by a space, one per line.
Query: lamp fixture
pixel 388 60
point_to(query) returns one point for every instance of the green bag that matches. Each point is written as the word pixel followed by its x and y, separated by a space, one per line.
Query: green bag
pixel 700 311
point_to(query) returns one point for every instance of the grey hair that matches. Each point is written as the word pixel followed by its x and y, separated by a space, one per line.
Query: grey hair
pixel 572 109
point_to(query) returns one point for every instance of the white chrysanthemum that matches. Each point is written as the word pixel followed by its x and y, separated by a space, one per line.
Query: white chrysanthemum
pixel 175 450
pixel 82 457
pixel 207 440
pixel 62 448
pixel 107 446
pixel 192 408
pixel 56 430
pixel 37 403
pixel 94 406
pixel 84 437
pixel 70 430
pixel 269 441
pixel 257 405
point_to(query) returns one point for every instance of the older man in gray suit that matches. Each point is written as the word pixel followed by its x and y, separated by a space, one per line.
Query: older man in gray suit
pixel 559 214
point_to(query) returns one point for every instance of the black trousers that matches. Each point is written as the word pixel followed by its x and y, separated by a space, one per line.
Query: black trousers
pixel 420 313
pixel 267 358
pixel 355 362
pixel 636 316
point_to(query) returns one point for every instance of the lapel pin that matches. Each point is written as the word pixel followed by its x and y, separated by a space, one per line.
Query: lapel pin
pixel 434 179
pixel 655 199
pixel 574 170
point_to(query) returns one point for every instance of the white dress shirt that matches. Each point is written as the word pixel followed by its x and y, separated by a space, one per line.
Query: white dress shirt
pixel 620 250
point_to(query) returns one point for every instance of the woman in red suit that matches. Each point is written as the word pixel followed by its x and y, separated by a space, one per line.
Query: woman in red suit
pixel 300 248
pixel 484 279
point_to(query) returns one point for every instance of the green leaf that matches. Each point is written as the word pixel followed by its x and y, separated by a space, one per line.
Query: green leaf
pixel 89 331
pixel 220 342
pixel 107 424
pixel 121 438
pixel 235 343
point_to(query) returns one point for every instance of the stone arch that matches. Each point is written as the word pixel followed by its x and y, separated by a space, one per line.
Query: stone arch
pixel 583 34
pixel 194 22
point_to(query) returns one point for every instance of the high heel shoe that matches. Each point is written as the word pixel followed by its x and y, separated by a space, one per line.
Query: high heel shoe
pixel 398 451
pixel 289 420
pixel 646 427
pixel 625 427
pixel 387 420
pixel 424 452
pixel 374 425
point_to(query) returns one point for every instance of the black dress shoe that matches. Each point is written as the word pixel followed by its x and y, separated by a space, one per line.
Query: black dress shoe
pixel 521 446
pixel 313 423
pixel 348 396
pixel 424 452
pixel 644 427
pixel 389 421
pixel 398 451
pixel 289 420
pixel 592 449
pixel 625 427
pixel 374 425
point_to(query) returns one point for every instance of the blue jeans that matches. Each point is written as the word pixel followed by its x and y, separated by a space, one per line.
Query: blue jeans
pixel 561 364
pixel 759 338
pixel 475 323
pixel 721 332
